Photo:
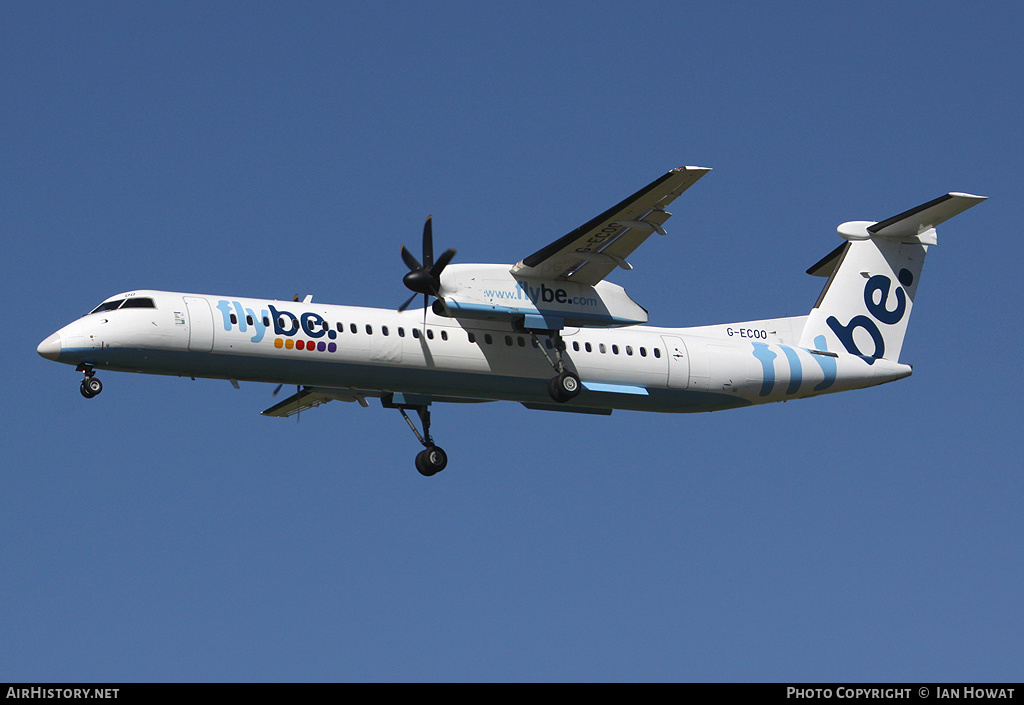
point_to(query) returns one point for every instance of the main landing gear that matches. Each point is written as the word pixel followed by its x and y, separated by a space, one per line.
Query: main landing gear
pixel 565 385
pixel 90 386
pixel 431 460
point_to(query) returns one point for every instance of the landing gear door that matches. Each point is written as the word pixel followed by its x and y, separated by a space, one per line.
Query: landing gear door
pixel 678 362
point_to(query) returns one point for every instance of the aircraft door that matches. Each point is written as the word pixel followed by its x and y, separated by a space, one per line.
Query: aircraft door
pixel 678 362
pixel 200 324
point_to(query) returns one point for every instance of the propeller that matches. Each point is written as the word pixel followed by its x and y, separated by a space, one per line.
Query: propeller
pixel 424 278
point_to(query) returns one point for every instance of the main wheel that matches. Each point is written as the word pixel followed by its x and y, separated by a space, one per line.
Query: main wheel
pixel 91 387
pixel 564 387
pixel 430 461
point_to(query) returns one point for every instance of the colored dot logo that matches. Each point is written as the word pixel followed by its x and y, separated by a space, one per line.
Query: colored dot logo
pixel 310 345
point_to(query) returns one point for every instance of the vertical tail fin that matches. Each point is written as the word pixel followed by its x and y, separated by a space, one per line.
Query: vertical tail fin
pixel 865 305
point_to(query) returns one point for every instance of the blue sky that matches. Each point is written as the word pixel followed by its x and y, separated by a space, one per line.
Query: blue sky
pixel 166 531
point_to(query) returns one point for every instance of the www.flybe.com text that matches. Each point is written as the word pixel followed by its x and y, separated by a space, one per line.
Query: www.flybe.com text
pixel 541 294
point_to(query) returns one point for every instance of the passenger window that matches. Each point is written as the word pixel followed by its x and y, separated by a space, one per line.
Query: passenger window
pixel 248 319
pixel 430 333
pixel 643 352
pixel 234 319
pixel 369 329
pixel 522 343
pixel 416 333
pixel 600 347
pixel 588 347
pixel 383 330
pixel 576 345
pixel 444 335
pixel 488 339
pixel 266 322
pixel 324 326
pixel 629 349
pixel 508 340
pixel 657 352
pixel 615 350
pixel 401 332
pixel 472 338
pixel 341 327
pixel 352 327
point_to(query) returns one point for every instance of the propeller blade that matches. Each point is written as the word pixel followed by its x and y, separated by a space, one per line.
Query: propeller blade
pixel 406 304
pixel 276 390
pixel 442 262
pixel 428 243
pixel 410 261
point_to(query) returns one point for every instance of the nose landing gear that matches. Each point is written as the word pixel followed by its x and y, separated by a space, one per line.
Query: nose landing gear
pixel 431 460
pixel 90 386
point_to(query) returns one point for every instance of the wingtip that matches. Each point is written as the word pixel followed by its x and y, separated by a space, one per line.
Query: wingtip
pixel 970 196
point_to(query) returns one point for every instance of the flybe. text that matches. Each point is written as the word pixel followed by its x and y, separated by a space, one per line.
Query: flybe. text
pixel 283 322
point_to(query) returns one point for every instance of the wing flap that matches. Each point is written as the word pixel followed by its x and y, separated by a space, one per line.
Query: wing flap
pixel 590 252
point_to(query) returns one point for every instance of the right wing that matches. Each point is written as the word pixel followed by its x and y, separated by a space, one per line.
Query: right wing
pixel 592 251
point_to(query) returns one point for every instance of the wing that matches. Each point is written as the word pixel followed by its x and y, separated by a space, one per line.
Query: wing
pixel 590 252
pixel 310 397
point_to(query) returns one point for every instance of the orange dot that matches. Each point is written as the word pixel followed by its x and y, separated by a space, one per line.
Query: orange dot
pixel 278 343
pixel 289 343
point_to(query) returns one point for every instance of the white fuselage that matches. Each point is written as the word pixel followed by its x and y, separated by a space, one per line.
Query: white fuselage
pixel 373 352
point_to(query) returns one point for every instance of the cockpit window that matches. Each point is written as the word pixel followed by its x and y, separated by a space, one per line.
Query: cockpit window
pixel 107 306
pixel 134 302
pixel 139 302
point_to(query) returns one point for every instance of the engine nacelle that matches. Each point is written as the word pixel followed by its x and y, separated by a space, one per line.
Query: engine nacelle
pixel 491 292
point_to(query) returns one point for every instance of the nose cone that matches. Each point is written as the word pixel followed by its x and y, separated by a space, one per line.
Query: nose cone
pixel 50 348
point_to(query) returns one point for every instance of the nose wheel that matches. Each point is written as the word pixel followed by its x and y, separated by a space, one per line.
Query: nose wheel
pixel 90 386
pixel 431 460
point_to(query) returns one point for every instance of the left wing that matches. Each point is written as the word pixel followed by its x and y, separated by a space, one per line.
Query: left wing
pixel 310 397
pixel 590 252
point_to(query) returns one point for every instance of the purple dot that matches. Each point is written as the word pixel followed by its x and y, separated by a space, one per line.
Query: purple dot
pixel 321 346
pixel 331 347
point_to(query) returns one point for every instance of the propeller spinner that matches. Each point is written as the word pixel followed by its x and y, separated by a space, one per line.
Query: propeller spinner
pixel 424 278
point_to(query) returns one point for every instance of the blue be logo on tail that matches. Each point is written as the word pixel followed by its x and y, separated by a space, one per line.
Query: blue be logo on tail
pixel 881 284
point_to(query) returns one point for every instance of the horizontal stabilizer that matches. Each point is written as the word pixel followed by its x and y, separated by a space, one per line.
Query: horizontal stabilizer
pixel 918 220
pixel 916 225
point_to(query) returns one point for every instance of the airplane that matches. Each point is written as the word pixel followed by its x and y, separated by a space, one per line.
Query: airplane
pixel 549 332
